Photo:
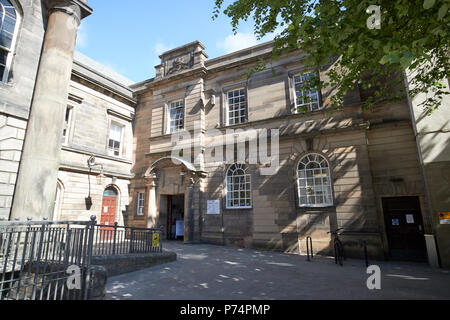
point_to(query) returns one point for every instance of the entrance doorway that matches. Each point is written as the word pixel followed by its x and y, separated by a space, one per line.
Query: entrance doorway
pixel 109 207
pixel 175 217
pixel 404 227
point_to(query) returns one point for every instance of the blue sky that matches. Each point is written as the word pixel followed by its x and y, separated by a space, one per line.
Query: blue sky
pixel 128 36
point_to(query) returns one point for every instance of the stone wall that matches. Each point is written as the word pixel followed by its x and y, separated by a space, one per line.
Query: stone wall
pixel 120 264
pixel 12 131
pixel 15 97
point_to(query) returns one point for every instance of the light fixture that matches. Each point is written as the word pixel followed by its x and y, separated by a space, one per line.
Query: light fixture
pixel 100 179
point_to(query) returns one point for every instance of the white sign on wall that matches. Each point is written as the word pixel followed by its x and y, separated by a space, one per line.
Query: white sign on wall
pixel 213 207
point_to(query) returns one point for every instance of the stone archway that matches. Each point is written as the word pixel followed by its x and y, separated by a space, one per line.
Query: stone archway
pixel 170 176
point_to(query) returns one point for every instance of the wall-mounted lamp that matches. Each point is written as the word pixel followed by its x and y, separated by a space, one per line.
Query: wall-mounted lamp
pixel 213 100
pixel 100 179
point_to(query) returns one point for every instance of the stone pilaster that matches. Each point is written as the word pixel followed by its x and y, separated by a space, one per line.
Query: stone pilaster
pixel 193 225
pixel 151 183
pixel 36 184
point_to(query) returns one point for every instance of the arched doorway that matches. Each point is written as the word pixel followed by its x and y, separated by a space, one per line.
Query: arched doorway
pixel 174 198
pixel 109 206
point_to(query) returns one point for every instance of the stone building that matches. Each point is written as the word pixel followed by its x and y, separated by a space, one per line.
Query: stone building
pixel 77 139
pixel 96 121
pixel 99 117
pixel 354 169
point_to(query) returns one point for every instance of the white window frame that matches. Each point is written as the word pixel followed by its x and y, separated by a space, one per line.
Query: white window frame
pixel 302 176
pixel 140 204
pixel 110 150
pixel 174 129
pixel 230 187
pixel 69 125
pixel 240 107
pixel 296 97
pixel 11 50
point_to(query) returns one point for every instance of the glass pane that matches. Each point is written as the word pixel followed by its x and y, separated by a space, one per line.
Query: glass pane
pixel 5 40
pixel 8 25
pixel 3 57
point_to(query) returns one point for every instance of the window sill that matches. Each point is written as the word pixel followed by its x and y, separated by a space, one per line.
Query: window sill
pixel 239 208
pixel 308 112
pixel 316 206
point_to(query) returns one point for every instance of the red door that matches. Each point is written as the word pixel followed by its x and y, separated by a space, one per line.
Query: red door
pixel 108 217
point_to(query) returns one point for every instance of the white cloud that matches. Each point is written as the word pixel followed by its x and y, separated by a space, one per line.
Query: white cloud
pixel 82 36
pixel 243 40
pixel 160 48
pixel 238 41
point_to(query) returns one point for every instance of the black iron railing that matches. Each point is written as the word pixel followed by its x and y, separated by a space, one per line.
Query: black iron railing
pixel 52 260
pixel 115 240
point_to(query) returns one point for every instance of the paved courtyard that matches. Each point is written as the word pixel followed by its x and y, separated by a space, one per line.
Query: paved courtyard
pixel 207 272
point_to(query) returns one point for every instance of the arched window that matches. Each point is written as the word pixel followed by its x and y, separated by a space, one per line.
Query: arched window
pixel 110 192
pixel 8 30
pixel 239 192
pixel 314 182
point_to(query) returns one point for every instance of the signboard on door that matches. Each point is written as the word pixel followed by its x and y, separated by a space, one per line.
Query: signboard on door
pixel 213 207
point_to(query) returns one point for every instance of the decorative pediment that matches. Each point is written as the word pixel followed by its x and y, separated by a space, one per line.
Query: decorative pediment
pixel 189 56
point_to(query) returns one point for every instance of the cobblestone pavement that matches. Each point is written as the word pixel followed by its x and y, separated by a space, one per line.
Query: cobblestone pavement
pixel 208 272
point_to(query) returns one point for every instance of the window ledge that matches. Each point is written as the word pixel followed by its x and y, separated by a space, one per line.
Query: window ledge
pixel 316 206
pixel 238 208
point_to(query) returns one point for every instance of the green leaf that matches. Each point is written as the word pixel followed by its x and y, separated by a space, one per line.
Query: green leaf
pixel 384 60
pixel 442 11
pixel 393 58
pixel 428 4
pixel 405 62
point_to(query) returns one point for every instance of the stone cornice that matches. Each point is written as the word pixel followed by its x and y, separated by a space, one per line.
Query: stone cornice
pixel 201 72
pixel 78 8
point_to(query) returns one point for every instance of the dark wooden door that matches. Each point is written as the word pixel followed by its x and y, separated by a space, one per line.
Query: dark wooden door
pixel 404 227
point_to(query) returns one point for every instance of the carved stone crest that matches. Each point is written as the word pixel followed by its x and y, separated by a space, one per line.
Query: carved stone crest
pixel 179 64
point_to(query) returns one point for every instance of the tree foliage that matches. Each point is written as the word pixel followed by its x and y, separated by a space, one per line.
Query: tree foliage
pixel 413 36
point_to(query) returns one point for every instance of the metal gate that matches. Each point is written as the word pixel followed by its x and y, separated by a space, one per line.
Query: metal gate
pixel 45 260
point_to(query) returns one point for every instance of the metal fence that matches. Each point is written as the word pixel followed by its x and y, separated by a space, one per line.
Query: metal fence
pixel 52 260
pixel 115 240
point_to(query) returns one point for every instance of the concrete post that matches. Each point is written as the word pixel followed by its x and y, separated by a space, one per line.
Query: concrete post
pixel 37 178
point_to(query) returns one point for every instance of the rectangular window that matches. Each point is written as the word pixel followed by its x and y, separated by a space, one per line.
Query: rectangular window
pixel 176 116
pixel 305 100
pixel 66 129
pixel 237 106
pixel 140 204
pixel 115 140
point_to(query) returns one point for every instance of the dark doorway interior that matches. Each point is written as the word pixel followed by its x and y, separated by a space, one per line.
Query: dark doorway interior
pixel 175 217
pixel 404 227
